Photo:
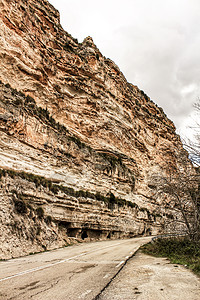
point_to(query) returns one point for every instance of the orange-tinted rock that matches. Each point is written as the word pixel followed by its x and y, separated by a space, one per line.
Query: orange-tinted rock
pixel 68 114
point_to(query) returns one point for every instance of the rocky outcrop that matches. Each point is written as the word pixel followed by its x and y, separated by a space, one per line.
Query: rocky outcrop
pixel 79 144
pixel 37 215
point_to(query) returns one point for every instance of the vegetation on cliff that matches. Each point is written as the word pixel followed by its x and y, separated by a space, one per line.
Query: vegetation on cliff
pixel 110 198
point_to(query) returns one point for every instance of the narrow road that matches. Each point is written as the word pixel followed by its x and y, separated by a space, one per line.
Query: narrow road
pixel 76 272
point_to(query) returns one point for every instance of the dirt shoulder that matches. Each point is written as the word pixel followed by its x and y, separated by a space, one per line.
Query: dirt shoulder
pixel 149 278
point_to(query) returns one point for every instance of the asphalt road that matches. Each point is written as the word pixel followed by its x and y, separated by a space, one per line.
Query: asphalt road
pixel 72 273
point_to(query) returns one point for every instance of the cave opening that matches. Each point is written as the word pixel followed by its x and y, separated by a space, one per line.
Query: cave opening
pixel 84 235
pixel 148 231
pixel 109 236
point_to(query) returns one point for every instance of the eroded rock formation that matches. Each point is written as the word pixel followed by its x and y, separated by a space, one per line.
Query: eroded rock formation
pixel 79 144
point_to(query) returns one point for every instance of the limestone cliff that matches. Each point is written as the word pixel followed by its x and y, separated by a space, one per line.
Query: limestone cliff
pixel 79 144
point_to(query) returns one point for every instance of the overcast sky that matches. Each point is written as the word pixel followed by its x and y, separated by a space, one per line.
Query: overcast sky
pixel 156 44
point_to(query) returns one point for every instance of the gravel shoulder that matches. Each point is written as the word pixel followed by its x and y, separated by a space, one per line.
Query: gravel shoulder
pixel 148 278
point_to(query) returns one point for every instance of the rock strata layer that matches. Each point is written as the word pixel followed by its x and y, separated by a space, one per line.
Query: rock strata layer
pixel 79 144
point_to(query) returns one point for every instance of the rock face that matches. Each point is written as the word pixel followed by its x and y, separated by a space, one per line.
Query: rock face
pixel 79 144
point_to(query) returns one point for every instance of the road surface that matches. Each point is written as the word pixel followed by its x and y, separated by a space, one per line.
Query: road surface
pixel 72 273
pixel 146 277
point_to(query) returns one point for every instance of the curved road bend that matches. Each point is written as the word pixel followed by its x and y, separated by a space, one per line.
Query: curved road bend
pixel 72 273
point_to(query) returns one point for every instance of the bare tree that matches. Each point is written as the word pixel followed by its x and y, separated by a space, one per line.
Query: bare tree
pixel 180 190
pixel 180 194
pixel 192 145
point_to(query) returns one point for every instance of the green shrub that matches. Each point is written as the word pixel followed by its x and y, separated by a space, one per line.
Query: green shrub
pixel 30 206
pixel 37 181
pixel 18 102
pixel 2 173
pixel 29 99
pixel 100 197
pixel 40 212
pixel 48 219
pixel 68 47
pixel 38 230
pixel 112 198
pixel 20 206
pixel 54 189
pixel 132 204
pixel 11 173
pixel 7 85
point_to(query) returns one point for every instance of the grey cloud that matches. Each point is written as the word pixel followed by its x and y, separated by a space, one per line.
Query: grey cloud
pixel 155 43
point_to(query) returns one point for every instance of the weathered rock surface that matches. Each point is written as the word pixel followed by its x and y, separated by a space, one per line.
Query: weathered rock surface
pixel 68 114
